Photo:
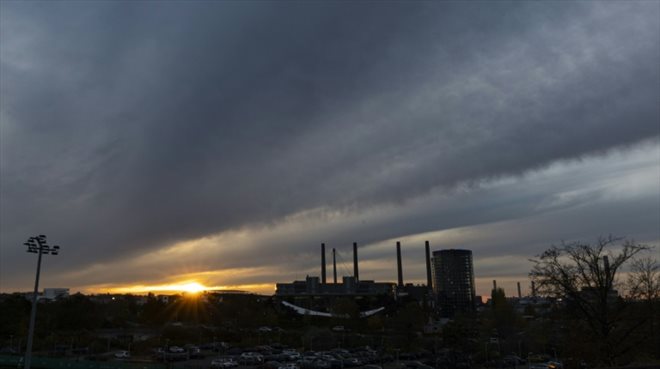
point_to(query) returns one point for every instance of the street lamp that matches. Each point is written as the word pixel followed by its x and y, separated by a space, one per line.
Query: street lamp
pixel 36 245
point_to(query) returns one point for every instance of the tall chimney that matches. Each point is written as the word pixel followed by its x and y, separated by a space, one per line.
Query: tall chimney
pixel 398 263
pixel 519 293
pixel 323 263
pixel 334 265
pixel 533 289
pixel 356 272
pixel 494 285
pixel 429 278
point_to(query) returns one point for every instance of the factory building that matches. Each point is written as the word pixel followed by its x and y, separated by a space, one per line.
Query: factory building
pixel 312 286
pixel 453 278
pixel 351 285
pixel 449 273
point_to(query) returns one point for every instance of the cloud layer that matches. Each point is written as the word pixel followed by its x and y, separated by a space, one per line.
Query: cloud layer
pixel 132 127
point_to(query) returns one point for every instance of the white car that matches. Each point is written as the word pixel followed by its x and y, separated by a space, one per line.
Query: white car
pixel 122 354
pixel 223 363
pixel 291 354
pixel 289 366
pixel 252 357
pixel 177 349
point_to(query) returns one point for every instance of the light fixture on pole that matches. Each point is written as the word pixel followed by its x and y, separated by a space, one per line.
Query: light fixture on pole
pixel 36 245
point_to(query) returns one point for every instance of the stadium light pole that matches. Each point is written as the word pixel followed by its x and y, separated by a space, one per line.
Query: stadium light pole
pixel 36 245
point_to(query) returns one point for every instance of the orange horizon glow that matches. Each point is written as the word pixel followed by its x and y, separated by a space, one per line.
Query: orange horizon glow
pixel 193 287
pixel 197 286
pixel 189 287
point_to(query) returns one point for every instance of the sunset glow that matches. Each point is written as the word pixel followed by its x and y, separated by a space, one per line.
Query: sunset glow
pixel 188 287
pixel 192 287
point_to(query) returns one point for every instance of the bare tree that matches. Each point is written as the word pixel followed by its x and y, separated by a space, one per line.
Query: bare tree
pixel 644 279
pixel 586 276
pixel 643 286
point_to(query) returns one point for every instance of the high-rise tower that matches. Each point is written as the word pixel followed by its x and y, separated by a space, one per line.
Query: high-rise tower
pixel 453 278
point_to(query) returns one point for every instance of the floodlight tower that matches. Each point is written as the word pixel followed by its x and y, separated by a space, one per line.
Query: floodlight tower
pixel 36 245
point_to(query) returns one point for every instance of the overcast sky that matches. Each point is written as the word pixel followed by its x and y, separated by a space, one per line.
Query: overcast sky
pixel 222 142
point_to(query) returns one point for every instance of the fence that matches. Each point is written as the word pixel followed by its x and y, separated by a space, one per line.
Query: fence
pixel 50 363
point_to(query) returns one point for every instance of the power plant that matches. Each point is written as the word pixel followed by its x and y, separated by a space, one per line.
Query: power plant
pixel 449 280
pixel 351 285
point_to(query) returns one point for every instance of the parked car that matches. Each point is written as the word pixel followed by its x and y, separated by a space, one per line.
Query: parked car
pixel 291 354
pixel 289 366
pixel 223 363
pixel 417 365
pixel 177 349
pixel 544 365
pixel 512 360
pixel 307 362
pixel 234 351
pixel 549 364
pixel 321 364
pixel 270 364
pixel 122 355
pixel 251 358
pixel 553 364
pixel 350 362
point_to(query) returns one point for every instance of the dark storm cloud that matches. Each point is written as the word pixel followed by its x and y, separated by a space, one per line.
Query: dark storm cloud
pixel 127 126
pixel 504 222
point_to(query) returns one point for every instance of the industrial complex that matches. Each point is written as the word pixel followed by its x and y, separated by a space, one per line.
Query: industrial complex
pixel 449 288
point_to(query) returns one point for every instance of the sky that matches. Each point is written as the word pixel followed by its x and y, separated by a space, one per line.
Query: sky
pixel 220 143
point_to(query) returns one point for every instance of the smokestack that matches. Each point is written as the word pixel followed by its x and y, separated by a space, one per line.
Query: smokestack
pixel 323 263
pixel 519 293
pixel 334 266
pixel 429 279
pixel 494 285
pixel 398 263
pixel 356 272
pixel 533 289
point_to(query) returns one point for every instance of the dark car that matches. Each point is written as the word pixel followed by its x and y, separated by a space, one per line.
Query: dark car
pixel 512 360
pixel 417 365
pixel 271 364
pixel 234 351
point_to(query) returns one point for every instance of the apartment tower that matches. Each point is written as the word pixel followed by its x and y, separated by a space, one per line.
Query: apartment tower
pixel 453 278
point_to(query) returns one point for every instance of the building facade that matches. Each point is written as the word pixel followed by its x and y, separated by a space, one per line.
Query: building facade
pixel 312 286
pixel 453 281
pixel 53 294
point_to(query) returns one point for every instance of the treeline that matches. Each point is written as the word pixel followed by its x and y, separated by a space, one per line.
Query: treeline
pixel 82 312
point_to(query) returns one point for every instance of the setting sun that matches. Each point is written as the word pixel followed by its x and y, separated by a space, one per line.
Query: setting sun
pixel 188 287
pixel 193 287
